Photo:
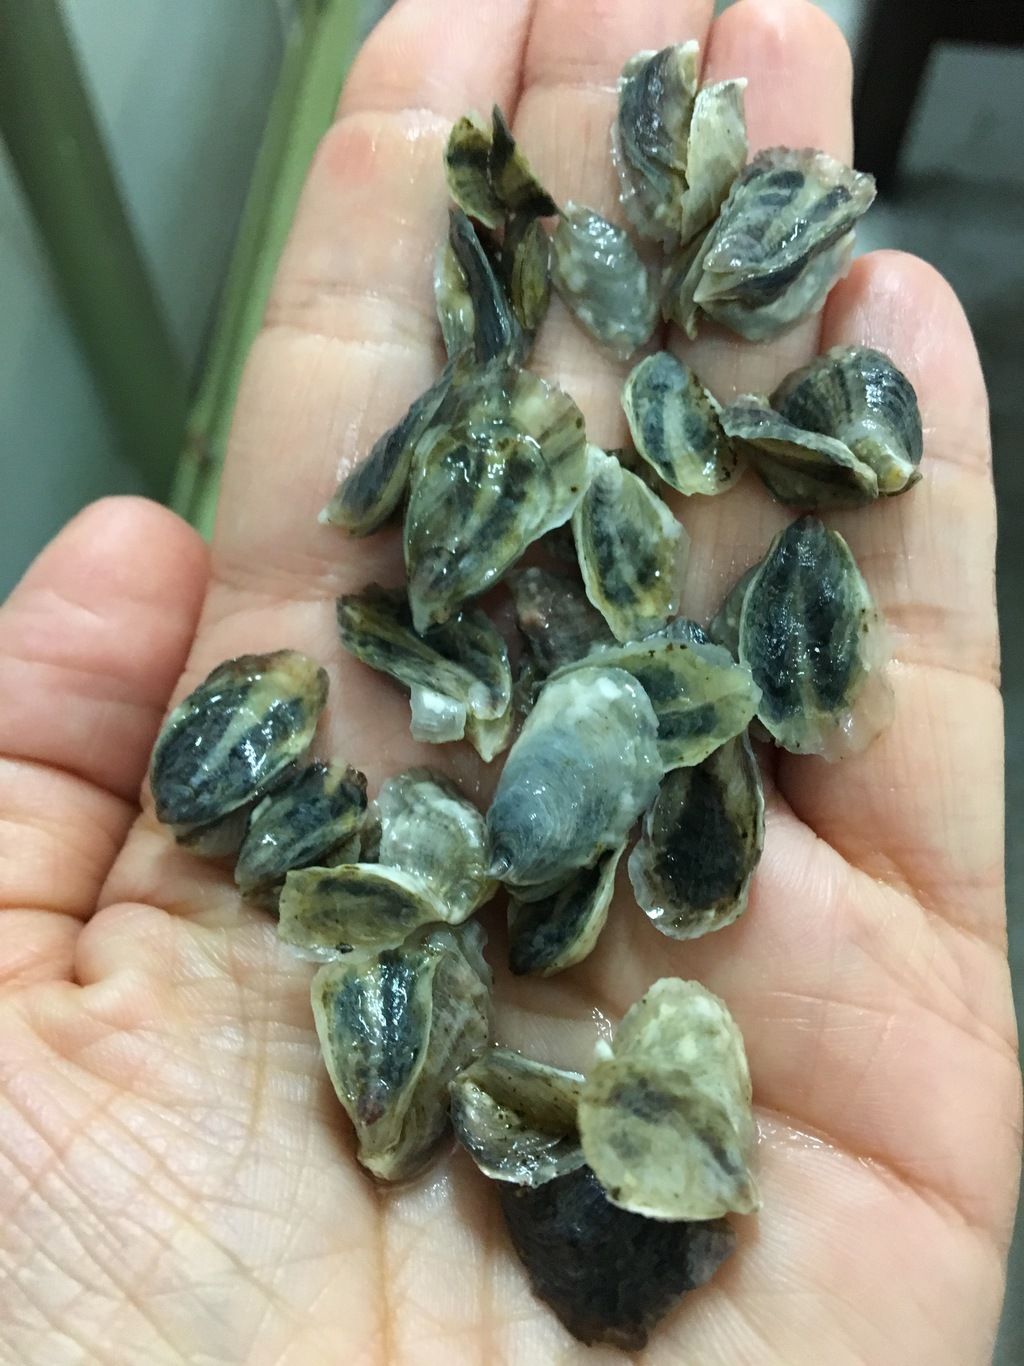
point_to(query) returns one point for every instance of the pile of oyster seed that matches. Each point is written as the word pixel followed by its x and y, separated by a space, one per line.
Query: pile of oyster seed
pixel 613 708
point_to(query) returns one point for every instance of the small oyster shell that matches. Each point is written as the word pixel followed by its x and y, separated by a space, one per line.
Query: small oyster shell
pixel 465 660
pixel 632 551
pixel 218 839
pixel 549 935
pixel 301 822
pixel 664 1115
pixel 496 331
pixel 556 617
pixel 436 719
pixel 486 488
pixel 583 768
pixel 675 425
pixel 680 279
pixel 717 153
pixel 725 625
pixel 815 644
pixel 329 911
pixel 799 467
pixel 491 738
pixel 702 839
pixel 514 183
pixel 431 831
pixel 699 693
pixel 609 1275
pixel 600 276
pixel 526 270
pixel 858 396
pixel 394 1030
pixel 517 1118
pixel 467 170
pixel 234 735
pixel 656 100
pixel 774 250
pixel 370 493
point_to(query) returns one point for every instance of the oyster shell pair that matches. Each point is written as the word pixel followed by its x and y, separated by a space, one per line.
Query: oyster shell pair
pixel 633 1165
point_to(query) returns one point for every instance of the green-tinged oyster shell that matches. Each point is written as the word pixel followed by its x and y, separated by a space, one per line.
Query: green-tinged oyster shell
pixel 394 1029
pixel 702 839
pixel 717 153
pixel 585 765
pixel 465 660
pixel 632 551
pixel 675 426
pixel 329 911
pixel 517 188
pixel 486 488
pixel 600 276
pixel 302 821
pixel 467 170
pixel 549 935
pixel 231 738
pixel 526 271
pixel 556 617
pixel 780 239
pixel 517 1118
pixel 665 1115
pixel 455 311
pixel 700 695
pixel 815 645
pixel 495 328
pixel 370 493
pixel 652 132
pixel 609 1275
pixel 798 467
pixel 431 831
pixel 858 396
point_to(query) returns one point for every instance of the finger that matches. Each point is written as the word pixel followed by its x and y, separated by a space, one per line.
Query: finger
pixel 91 643
pixel 922 806
pixel 564 120
pixel 797 65
pixel 350 335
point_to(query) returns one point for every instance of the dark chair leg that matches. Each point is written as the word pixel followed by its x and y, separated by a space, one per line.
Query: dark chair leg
pixel 898 38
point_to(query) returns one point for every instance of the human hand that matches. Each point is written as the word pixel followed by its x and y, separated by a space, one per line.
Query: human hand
pixel 179 1181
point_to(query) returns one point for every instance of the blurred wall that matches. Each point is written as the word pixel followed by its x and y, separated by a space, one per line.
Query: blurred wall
pixel 181 93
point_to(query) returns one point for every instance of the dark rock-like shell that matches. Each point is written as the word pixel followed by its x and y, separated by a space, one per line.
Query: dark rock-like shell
pixel 556 932
pixel 556 617
pixel 702 839
pixel 302 822
pixel 517 1118
pixel 813 640
pixel 609 1275
pixel 603 281
pixel 394 1029
pixel 231 738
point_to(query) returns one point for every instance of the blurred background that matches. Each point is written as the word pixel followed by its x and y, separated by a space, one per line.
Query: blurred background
pixel 150 156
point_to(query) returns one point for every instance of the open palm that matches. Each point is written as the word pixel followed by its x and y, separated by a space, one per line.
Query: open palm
pixel 178 1181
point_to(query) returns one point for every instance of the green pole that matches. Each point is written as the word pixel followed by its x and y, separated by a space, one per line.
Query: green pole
pixel 47 122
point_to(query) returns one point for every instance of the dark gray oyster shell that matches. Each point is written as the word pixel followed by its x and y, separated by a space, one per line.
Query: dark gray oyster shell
pixel 526 271
pixel 603 281
pixel 231 738
pixel 465 660
pixel 431 831
pixel 609 1275
pixel 716 154
pixel 517 1118
pixel 859 397
pixel 394 1029
pixel 467 158
pixel 329 911
pixel 782 237
pixel 815 644
pixel 700 695
pixel 702 840
pixel 798 467
pixel 486 488
pixel 517 188
pixel 370 493
pixel 302 821
pixel 656 100
pixel 632 551
pixel 584 767
pixel 675 425
pixel 665 1113
pixel 556 617
pixel 495 328
pixel 556 932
